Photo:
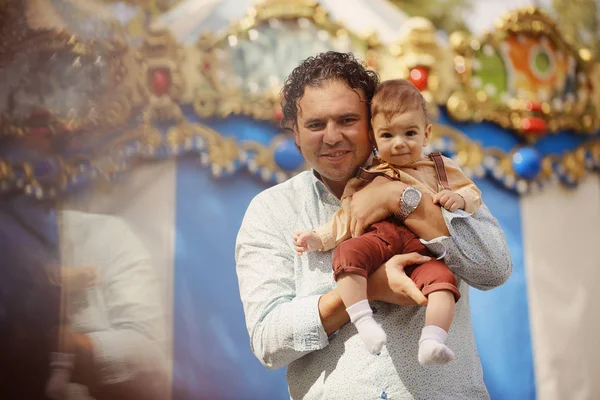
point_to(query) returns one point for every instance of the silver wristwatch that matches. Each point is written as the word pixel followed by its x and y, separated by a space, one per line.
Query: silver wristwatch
pixel 411 197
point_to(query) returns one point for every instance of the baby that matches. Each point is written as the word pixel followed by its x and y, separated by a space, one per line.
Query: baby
pixel 400 130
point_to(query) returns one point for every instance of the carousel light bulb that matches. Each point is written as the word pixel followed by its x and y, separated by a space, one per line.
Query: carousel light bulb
pixel 253 34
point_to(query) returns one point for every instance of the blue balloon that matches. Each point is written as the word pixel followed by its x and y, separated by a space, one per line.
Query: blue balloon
pixel 287 156
pixel 527 162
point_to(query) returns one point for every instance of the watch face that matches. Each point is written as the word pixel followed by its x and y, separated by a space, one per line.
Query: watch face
pixel 412 197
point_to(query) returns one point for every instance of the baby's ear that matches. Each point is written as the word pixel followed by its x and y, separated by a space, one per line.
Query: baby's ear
pixel 427 133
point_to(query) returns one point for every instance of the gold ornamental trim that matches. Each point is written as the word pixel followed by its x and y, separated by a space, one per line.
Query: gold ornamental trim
pixel 529 54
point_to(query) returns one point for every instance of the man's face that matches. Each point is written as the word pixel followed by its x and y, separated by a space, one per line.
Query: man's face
pixel 400 141
pixel 332 131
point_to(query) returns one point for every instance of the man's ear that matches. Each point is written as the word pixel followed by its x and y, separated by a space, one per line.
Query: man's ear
pixel 427 133
pixel 296 136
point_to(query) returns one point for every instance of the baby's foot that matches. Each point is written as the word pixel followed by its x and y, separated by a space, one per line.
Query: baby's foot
pixel 371 333
pixel 368 329
pixel 432 350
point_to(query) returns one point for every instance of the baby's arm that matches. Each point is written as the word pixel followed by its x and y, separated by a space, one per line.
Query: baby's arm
pixel 450 200
pixel 326 237
pixel 335 231
pixel 307 241
pixel 463 187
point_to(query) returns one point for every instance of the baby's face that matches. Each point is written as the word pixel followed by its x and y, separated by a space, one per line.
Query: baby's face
pixel 401 140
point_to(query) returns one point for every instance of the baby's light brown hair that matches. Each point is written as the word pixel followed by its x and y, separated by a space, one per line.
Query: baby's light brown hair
pixel 396 96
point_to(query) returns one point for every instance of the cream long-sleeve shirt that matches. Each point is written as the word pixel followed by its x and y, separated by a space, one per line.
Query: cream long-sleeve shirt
pixel 280 292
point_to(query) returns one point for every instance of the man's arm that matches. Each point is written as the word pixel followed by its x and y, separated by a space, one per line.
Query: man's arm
pixel 476 251
pixel 282 325
pixel 381 198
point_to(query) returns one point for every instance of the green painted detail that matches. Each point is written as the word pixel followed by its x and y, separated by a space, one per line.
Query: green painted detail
pixel 492 72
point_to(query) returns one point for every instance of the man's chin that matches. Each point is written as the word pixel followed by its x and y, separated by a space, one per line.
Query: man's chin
pixel 337 176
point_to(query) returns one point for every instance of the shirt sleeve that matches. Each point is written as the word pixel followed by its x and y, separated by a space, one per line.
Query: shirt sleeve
pixel 463 186
pixel 282 325
pixel 134 346
pixel 477 251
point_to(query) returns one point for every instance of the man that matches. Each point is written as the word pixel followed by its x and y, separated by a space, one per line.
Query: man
pixel 294 315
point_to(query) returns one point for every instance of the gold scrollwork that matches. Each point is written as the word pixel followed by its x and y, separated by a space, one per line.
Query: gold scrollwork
pixel 536 62
pixel 418 46
pixel 161 81
pixel 220 97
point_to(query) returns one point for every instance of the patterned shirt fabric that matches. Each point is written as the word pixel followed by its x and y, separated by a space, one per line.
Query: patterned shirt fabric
pixel 280 292
pixel 421 174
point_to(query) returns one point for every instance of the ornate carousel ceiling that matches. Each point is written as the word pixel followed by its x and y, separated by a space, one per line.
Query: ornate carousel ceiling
pixel 82 99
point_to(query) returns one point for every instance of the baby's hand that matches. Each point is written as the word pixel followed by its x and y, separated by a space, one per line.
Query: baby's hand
pixel 449 200
pixel 307 241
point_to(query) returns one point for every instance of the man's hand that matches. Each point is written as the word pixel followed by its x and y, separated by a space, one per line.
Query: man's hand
pixel 375 202
pixel 449 200
pixel 390 283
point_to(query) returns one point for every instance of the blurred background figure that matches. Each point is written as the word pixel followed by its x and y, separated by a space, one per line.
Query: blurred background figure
pixel 114 323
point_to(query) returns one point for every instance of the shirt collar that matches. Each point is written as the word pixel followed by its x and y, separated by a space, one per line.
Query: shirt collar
pixel 323 193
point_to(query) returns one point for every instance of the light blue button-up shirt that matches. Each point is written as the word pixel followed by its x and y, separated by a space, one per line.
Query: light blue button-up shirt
pixel 280 292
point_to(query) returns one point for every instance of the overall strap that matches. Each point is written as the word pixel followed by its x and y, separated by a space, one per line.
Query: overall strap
pixel 440 170
pixel 369 175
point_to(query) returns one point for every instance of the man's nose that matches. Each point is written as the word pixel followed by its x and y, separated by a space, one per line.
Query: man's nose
pixel 333 134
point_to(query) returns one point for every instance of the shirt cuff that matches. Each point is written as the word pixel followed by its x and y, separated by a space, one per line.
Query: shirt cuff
pixel 440 245
pixel 309 333
pixel 328 241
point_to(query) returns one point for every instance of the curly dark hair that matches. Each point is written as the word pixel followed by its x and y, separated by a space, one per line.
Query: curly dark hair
pixel 324 67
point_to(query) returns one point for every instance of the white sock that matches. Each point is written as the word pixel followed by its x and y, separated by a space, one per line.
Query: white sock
pixel 370 331
pixel 61 365
pixel 432 350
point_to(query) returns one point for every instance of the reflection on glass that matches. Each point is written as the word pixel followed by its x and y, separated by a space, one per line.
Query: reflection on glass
pixel 111 340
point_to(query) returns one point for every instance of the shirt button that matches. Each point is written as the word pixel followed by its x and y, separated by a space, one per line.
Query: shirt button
pixel 374 310
pixel 383 395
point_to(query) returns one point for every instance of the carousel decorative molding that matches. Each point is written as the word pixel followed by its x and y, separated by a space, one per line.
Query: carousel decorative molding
pixel 525 77
pixel 161 80
pixel 73 111
pixel 522 169
pixel 56 84
pixel 418 56
pixel 242 70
